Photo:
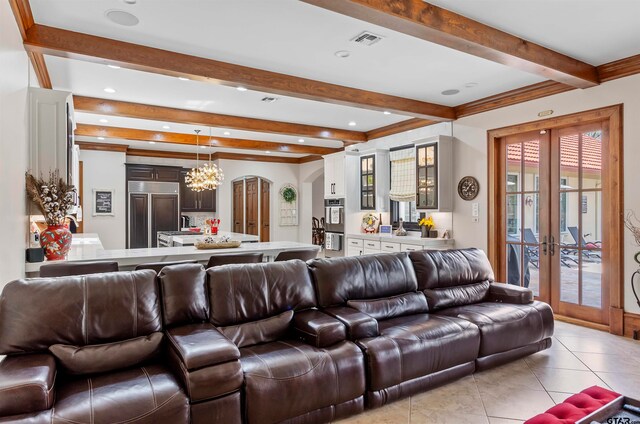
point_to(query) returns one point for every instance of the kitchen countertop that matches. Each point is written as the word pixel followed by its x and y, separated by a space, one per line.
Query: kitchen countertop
pixel 409 239
pixel 85 251
pixel 191 239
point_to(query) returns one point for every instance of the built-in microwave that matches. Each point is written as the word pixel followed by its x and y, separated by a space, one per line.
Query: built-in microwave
pixel 334 215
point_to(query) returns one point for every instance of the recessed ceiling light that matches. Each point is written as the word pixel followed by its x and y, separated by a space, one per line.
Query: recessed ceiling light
pixel 183 79
pixel 342 54
pixel 301 140
pixel 471 84
pixel 113 66
pixel 386 112
pixel 130 1
pixel 226 133
pixel 100 138
pixel 104 121
pixel 241 88
pixel 166 127
pixel 450 92
pixel 267 151
pixel 203 147
pixel 352 123
pixel 109 90
pixel 121 17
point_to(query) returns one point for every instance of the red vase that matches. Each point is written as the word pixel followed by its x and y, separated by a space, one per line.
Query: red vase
pixel 56 242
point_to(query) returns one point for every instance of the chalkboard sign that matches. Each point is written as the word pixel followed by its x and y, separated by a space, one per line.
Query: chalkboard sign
pixel 102 202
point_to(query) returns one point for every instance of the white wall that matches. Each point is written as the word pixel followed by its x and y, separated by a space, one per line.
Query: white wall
pixel 105 171
pixel 307 174
pixel 14 80
pixel 470 154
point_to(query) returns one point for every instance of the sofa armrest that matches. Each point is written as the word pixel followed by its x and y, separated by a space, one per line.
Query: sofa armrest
pixel 359 325
pixel 201 345
pixel 26 383
pixel 318 329
pixel 508 293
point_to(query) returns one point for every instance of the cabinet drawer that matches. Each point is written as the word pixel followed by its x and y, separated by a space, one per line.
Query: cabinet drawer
pixel 371 251
pixel 355 242
pixel 389 247
pixel 411 247
pixel 371 245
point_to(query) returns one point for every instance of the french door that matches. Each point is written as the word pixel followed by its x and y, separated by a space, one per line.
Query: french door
pixel 552 192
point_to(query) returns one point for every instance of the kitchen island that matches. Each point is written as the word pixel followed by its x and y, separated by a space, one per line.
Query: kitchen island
pixel 87 248
pixel 190 240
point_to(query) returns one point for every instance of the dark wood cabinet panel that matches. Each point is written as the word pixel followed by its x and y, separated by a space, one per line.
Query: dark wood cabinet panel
pixel 140 173
pixel 238 206
pixel 167 174
pixel 207 201
pixel 265 211
pixel 191 201
pixel 251 208
pixel 138 221
pixel 164 215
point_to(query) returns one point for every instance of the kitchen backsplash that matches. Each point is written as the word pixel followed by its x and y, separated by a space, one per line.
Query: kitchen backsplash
pixel 198 218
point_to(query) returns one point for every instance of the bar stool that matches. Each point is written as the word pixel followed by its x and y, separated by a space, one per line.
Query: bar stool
pixel 77 268
pixel 157 266
pixel 302 254
pixel 242 258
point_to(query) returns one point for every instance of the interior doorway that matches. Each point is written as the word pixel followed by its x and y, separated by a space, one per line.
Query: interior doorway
pixel 554 186
pixel 252 207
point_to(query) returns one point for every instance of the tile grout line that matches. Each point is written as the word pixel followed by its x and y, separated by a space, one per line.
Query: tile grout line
pixel 582 362
pixel 475 384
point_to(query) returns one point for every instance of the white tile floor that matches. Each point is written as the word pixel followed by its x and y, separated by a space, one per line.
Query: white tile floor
pixel 579 358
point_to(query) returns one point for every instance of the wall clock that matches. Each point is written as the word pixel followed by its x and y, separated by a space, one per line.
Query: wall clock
pixel 468 188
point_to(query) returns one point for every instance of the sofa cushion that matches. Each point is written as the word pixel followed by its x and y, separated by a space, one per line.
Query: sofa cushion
pixel 505 326
pixel 184 294
pixel 452 277
pixel 251 292
pixel 305 377
pixel 391 307
pixel 89 309
pixel 417 345
pixel 338 280
pixel 142 395
pixel 26 383
pixel 261 331
pixel 105 357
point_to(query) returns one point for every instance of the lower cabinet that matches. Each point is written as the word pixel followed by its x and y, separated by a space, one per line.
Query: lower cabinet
pixel 410 247
pixel 354 251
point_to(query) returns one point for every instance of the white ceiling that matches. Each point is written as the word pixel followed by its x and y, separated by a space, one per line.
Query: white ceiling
pixel 594 31
pixel 295 38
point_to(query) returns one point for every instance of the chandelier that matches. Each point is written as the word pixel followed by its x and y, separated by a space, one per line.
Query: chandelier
pixel 207 177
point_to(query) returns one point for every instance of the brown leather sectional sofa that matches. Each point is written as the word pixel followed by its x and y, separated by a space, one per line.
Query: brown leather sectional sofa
pixel 260 343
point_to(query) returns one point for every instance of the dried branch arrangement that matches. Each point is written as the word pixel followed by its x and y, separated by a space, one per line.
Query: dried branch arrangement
pixel 53 196
pixel 633 224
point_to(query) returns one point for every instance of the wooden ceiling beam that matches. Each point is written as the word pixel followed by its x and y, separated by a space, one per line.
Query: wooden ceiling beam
pixel 63 43
pixel 204 140
pixel 215 156
pixel 409 124
pixel 24 19
pixel 440 26
pixel 192 117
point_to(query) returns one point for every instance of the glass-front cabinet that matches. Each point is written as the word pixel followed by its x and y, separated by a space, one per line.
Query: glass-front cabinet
pixel 427 176
pixel 368 182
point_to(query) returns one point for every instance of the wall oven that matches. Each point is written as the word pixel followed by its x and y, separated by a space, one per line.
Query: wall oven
pixel 334 227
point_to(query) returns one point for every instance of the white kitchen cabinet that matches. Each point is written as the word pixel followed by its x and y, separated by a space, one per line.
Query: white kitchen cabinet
pixel 334 175
pixel 354 251
pixel 389 247
pixel 374 180
pixel 434 174
pixel 410 247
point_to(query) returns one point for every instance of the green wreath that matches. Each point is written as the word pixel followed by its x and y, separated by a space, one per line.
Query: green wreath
pixel 289 195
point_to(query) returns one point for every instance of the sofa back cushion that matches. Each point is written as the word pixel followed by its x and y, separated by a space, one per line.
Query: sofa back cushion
pixel 252 292
pixel 184 294
pixel 338 280
pixel 261 331
pixel 92 359
pixel 79 310
pixel 391 307
pixel 452 277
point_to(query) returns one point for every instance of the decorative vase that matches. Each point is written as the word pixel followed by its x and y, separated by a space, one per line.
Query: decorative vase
pixel 56 242
pixel 637 258
pixel 401 231
pixel 424 231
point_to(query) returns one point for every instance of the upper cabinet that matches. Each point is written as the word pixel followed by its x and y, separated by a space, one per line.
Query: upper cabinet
pixel 434 175
pixel 374 181
pixel 193 201
pixel 334 183
pixel 167 174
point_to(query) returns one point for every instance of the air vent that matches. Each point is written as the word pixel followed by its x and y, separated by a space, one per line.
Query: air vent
pixel 268 99
pixel 366 38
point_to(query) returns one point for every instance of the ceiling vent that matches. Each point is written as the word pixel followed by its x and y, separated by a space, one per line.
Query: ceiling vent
pixel 268 99
pixel 366 38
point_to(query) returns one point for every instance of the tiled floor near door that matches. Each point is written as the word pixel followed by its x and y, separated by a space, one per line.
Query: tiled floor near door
pixel 579 358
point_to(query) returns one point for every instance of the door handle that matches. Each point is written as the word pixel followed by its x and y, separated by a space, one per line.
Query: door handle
pixel 544 245
pixel 552 246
